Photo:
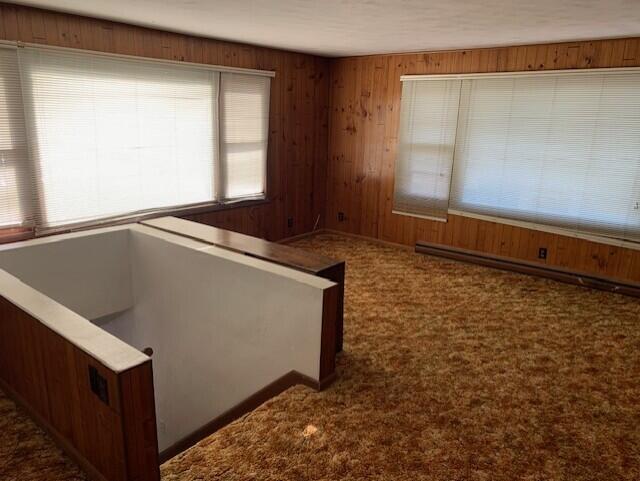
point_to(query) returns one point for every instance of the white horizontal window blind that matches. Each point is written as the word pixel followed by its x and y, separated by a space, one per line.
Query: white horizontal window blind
pixel 113 136
pixel 16 205
pixel 555 149
pixel 87 137
pixel 244 131
pixel 428 116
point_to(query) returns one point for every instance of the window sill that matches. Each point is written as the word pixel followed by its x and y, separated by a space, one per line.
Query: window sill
pixel 228 206
pixel 591 237
pixel 19 234
pixel 15 234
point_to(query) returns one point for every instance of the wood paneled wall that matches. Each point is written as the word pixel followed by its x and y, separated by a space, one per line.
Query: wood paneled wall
pixel 363 129
pixel 49 377
pixel 298 112
pixel 354 176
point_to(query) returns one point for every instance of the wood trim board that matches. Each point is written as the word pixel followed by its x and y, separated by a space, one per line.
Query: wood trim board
pixel 583 279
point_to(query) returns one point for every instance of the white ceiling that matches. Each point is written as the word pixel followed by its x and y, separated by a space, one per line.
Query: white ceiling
pixel 357 27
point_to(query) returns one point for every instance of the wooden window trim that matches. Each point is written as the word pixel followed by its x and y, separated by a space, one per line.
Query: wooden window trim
pixel 16 234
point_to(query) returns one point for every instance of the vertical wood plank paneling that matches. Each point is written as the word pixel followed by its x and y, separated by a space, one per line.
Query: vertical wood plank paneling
pixel 328 345
pixel 49 376
pixel 139 424
pixel 298 113
pixel 364 115
pixel 349 106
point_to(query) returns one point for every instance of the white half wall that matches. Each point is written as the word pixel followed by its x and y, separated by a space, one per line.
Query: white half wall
pixel 222 326
pixel 87 272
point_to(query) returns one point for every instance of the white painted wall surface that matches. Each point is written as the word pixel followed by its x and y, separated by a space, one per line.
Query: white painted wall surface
pixel 221 325
pixel 87 272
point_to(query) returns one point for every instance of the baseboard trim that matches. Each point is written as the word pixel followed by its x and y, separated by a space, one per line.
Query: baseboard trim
pixel 526 267
pixel 288 240
pixel 375 240
pixel 270 391
pixel 560 274
pixel 58 438
pixel 324 230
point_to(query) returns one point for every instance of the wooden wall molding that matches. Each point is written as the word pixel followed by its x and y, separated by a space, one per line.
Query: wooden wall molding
pixel 531 268
pixel 363 128
pixel 297 152
pixel 61 441
pixel 375 240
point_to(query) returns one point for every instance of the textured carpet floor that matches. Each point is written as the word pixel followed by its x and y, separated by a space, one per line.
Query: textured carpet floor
pixel 450 372
pixel 26 453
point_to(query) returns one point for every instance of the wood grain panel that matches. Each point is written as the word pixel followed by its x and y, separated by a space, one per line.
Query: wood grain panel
pixel 364 118
pixel 49 377
pixel 139 424
pixel 298 116
pixel 328 335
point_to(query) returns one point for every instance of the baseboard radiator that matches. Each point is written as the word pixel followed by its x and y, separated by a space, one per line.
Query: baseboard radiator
pixel 531 268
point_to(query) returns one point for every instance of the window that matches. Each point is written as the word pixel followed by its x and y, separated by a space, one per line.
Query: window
pixel 14 170
pixel 555 149
pixel 244 106
pixel 114 137
pixel 429 113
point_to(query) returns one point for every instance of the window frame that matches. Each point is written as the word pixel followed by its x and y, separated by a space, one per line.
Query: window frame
pixel 594 237
pixel 13 234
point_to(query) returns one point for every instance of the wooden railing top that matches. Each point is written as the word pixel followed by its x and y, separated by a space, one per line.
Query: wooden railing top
pixel 306 261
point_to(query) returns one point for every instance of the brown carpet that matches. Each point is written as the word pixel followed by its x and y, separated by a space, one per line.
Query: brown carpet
pixel 450 372
pixel 26 453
